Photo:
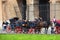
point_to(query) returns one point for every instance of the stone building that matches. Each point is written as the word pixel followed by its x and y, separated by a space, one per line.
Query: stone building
pixel 29 9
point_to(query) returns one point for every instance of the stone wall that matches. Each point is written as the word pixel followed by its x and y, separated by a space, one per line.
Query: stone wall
pixel 0 14
pixel 11 9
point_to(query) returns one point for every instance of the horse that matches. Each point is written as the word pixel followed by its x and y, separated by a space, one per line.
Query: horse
pixel 42 24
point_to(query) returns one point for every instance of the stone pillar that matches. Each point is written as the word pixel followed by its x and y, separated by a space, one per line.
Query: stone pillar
pixel 10 10
pixel 16 8
pixel 31 9
pixel 55 9
pixel 52 9
pixel 0 14
pixel 36 8
pixel 4 10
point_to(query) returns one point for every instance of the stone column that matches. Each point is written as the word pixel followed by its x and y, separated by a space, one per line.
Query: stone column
pixel 0 14
pixel 31 9
pixel 52 9
pixel 4 18
pixel 36 8
pixel 55 9
pixel 16 8
pixel 10 10
pixel 58 9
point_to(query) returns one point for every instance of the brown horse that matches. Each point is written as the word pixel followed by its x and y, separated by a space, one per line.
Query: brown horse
pixel 42 24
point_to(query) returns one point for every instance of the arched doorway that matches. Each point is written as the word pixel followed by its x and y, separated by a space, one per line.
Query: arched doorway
pixel 22 6
pixel 44 10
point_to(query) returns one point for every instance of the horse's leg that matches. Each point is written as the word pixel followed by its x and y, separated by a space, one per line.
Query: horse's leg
pixel 46 30
pixel 38 30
